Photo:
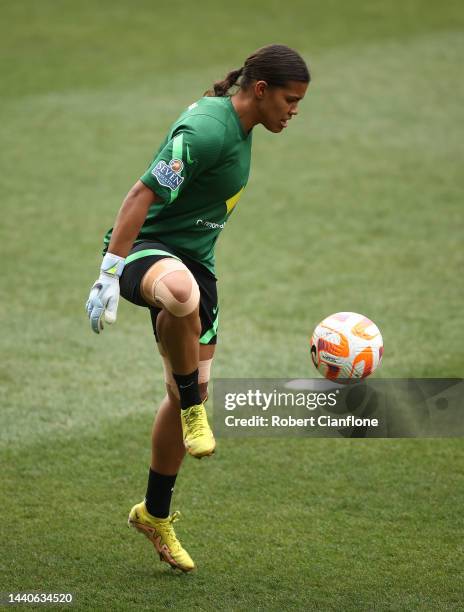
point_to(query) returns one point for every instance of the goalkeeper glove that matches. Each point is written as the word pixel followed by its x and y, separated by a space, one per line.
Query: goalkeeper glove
pixel 104 295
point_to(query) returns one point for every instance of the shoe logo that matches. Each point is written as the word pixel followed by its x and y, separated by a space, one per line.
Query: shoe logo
pixel 189 159
pixel 215 310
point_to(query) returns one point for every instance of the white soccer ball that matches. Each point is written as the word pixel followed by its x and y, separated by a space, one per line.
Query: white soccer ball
pixel 346 345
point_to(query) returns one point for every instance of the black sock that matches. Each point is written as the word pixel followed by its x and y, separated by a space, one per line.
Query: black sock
pixel 159 493
pixel 188 389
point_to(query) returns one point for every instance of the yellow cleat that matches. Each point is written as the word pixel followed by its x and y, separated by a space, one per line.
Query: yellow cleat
pixel 198 437
pixel 161 533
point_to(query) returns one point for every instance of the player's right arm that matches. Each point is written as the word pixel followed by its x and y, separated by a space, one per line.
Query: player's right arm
pixel 104 294
pixel 130 219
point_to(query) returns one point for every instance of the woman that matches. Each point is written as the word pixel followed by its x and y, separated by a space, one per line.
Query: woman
pixel 160 255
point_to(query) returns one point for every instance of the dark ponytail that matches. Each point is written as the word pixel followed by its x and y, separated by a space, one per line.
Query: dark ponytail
pixel 275 64
pixel 220 88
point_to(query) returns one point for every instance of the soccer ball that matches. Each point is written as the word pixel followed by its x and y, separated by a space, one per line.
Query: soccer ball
pixel 346 345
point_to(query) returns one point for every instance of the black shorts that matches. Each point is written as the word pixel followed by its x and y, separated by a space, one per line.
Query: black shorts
pixel 135 270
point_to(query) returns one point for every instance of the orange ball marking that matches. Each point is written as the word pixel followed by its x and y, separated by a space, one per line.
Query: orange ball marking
pixel 368 358
pixel 339 350
pixel 360 329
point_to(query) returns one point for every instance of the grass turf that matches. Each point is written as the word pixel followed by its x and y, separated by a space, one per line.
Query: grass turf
pixel 356 207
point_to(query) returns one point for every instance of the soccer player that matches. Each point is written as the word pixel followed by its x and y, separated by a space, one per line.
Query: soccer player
pixel 160 255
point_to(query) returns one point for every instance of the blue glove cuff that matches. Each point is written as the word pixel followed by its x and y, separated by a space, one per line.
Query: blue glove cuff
pixel 112 264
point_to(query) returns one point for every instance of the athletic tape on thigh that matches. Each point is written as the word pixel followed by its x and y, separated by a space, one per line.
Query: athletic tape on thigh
pixel 161 292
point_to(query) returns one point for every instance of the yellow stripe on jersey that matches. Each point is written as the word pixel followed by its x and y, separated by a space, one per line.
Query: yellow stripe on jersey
pixel 231 202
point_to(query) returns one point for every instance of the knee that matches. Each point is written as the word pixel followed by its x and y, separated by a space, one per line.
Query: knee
pixel 171 285
pixel 177 288
pixel 178 293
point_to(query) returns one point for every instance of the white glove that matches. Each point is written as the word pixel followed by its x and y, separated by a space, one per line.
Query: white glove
pixel 104 295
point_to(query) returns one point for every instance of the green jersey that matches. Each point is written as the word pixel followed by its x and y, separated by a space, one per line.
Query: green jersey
pixel 199 172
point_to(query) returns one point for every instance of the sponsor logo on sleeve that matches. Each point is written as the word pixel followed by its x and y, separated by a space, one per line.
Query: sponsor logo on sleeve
pixel 168 175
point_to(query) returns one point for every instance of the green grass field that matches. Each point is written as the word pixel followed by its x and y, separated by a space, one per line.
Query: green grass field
pixel 357 206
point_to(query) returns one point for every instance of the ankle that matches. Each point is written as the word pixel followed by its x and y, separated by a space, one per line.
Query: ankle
pixel 188 389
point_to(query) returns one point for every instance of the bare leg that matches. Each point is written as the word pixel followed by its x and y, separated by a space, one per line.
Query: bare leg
pixel 179 337
pixel 167 446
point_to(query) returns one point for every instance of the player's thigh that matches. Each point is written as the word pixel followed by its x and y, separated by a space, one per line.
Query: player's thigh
pixel 140 260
